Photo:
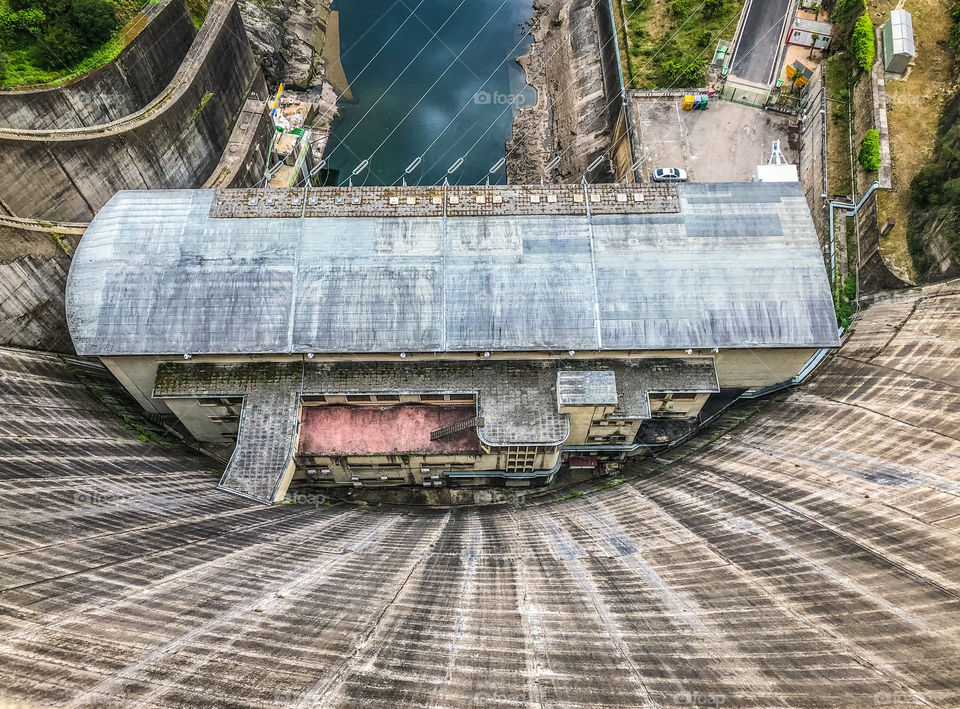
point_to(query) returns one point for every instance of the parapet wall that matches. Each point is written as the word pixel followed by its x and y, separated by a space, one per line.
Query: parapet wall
pixel 162 35
pixel 175 141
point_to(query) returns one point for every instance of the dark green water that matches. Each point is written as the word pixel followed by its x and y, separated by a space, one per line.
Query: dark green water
pixel 434 79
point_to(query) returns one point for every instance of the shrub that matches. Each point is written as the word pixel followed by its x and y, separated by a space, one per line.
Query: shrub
pixel 712 8
pixel 4 63
pixel 679 8
pixel 870 151
pixel 680 74
pixel 95 20
pixel 925 186
pixel 862 42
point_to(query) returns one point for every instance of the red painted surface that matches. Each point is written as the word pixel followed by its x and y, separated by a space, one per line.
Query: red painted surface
pixel 585 461
pixel 391 430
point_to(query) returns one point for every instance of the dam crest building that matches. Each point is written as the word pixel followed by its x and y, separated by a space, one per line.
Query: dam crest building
pixel 446 337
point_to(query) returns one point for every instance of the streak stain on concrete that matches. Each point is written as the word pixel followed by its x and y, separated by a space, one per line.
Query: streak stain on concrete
pixel 808 558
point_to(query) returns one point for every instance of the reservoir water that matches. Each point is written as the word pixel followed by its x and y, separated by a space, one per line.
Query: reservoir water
pixel 434 80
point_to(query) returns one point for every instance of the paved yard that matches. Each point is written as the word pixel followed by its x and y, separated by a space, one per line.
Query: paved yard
pixel 725 143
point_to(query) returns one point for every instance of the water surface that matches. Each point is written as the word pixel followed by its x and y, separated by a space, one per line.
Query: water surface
pixel 431 79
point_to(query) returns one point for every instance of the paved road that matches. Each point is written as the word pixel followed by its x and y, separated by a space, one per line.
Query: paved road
pixel 758 48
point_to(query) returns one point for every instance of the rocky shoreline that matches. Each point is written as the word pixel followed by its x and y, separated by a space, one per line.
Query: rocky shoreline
pixel 569 118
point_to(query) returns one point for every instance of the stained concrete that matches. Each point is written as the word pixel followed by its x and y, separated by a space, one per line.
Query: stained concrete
pixel 808 557
pixel 34 260
pixel 174 141
pixel 162 34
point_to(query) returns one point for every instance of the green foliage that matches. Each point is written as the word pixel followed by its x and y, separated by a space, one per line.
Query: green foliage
pixel 862 42
pixel 26 21
pixel 4 65
pixel 845 10
pixel 678 74
pixel 668 44
pixel 204 100
pixel 714 8
pixel 45 39
pixel 94 19
pixel 844 297
pixel 935 192
pixel 61 48
pixel 870 151
pixel 925 186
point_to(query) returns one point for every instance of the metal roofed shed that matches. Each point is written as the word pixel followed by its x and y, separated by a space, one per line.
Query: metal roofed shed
pixel 739 266
pixel 899 48
pixel 803 31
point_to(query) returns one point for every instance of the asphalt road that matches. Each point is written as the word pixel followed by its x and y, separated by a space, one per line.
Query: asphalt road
pixel 760 40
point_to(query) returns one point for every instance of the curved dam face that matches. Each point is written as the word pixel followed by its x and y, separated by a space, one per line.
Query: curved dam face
pixel 164 33
pixel 808 556
pixel 176 140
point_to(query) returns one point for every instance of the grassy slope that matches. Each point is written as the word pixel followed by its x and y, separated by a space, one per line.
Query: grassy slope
pixel 649 27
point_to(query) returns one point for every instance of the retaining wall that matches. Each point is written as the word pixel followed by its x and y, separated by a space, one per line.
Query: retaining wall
pixel 163 33
pixel 175 141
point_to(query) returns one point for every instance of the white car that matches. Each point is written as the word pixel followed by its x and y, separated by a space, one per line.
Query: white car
pixel 669 174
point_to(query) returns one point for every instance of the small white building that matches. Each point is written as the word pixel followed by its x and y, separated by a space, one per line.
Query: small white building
pixel 803 32
pixel 898 45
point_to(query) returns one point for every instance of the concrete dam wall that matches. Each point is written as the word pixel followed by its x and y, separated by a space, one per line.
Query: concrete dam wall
pixel 34 261
pixel 807 557
pixel 163 35
pixel 174 141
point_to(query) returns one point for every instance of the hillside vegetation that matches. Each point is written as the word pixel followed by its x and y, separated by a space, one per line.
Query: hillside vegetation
pixel 668 43
pixel 45 40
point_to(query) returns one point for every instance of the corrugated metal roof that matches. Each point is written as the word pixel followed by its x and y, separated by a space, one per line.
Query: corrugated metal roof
pixel 898 34
pixel 739 266
pixel 824 29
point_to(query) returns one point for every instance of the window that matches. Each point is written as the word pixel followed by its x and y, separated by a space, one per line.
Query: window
pixel 461 397
pixel 387 397
pixel 358 398
pixel 658 397
pixel 314 399
pixel 432 398
pixel 521 458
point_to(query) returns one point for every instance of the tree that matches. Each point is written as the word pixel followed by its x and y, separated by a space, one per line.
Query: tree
pixel 61 48
pixel 95 20
pixel 813 44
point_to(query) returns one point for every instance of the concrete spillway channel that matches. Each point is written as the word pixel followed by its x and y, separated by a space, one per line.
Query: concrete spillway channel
pixel 175 140
pixel 809 557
